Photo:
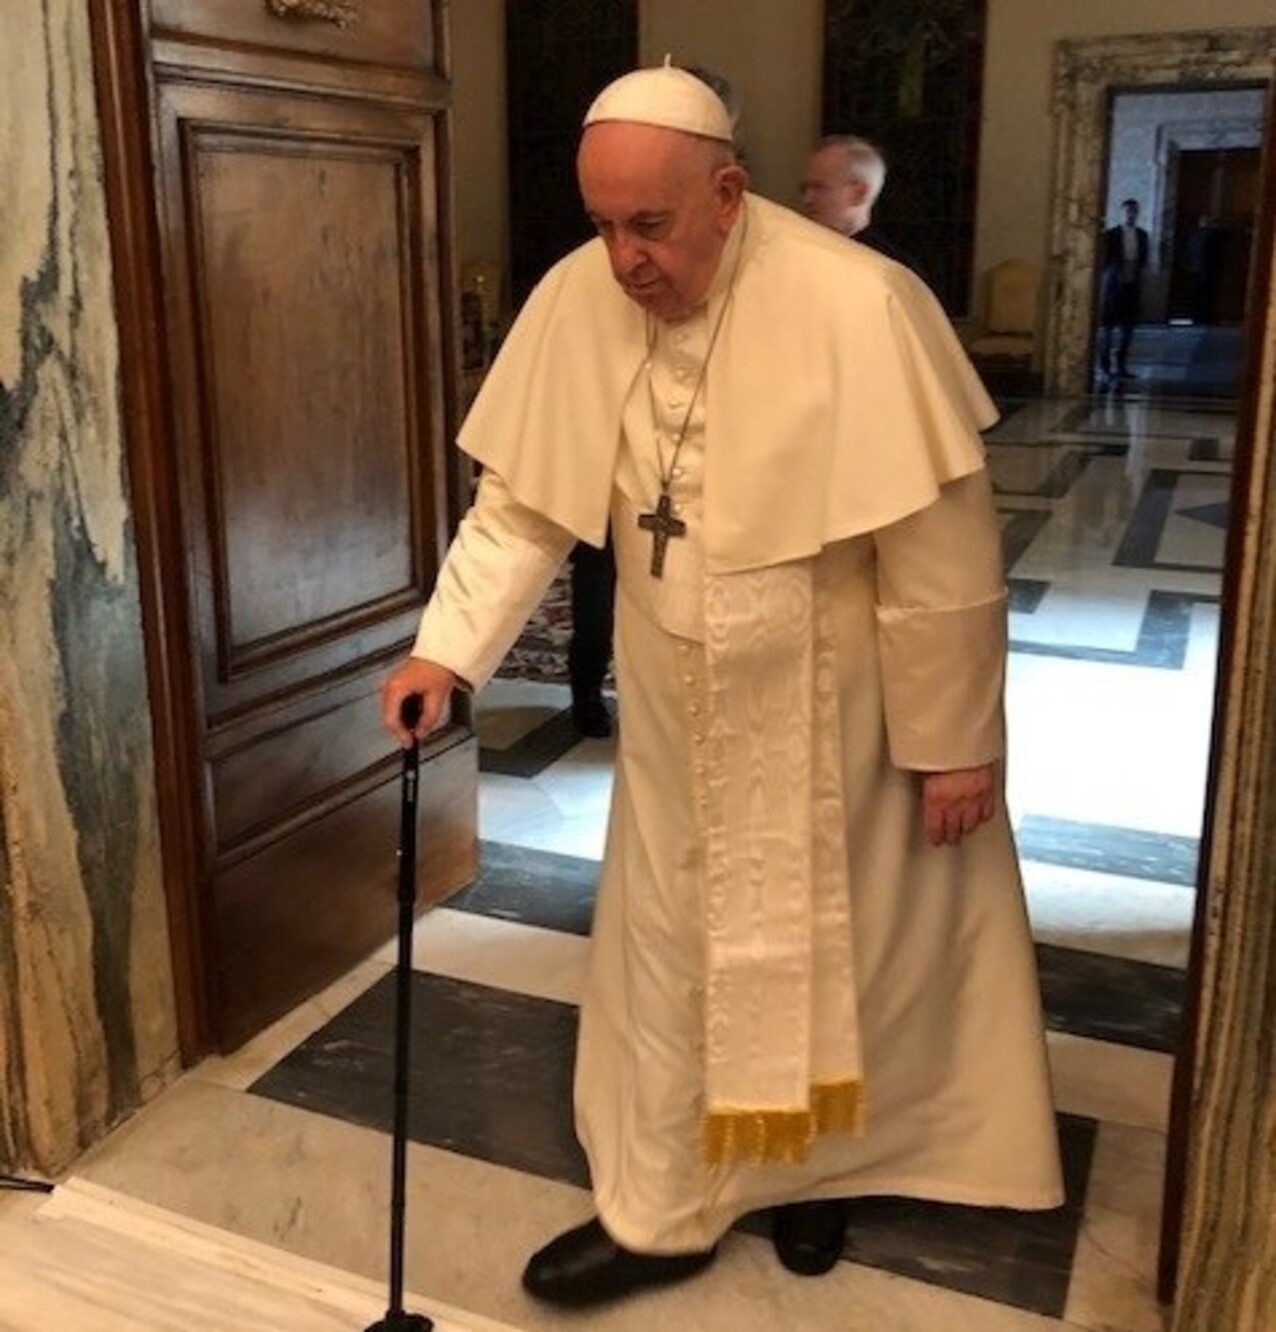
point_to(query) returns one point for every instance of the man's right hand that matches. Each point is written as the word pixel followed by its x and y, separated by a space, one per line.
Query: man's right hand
pixel 434 684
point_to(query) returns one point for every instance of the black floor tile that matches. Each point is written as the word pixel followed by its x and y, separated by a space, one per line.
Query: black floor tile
pixel 1112 999
pixel 533 753
pixel 1087 994
pixel 491 1079
pixel 1133 852
pixel 541 888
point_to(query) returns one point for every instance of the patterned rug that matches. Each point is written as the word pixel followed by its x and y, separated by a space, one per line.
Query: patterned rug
pixel 541 650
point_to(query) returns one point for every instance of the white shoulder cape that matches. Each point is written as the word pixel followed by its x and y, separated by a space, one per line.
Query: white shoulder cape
pixel 839 399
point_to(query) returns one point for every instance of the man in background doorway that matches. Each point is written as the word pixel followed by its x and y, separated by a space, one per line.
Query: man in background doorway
pixel 843 178
pixel 1125 256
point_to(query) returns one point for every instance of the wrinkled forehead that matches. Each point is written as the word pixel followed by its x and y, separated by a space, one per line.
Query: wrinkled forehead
pixel 647 164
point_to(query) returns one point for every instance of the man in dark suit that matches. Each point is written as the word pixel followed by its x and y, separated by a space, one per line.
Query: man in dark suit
pixel 1125 256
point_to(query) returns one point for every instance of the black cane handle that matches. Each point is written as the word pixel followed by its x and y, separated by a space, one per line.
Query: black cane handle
pixel 410 711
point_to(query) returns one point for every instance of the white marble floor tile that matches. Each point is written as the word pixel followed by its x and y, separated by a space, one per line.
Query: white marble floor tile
pixel 1115 745
pixel 1110 914
pixel 1115 1084
pixel 1113 1286
pixel 242 1068
pixel 528 813
pixel 94 1259
pixel 525 959
pixel 316 1188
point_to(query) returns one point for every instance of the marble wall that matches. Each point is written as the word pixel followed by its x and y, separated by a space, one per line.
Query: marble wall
pixel 87 1027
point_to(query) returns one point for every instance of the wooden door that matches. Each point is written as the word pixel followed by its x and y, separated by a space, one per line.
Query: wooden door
pixel 305 351
pixel 1216 199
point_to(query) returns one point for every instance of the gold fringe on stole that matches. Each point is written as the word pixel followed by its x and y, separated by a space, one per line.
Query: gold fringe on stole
pixel 782 1137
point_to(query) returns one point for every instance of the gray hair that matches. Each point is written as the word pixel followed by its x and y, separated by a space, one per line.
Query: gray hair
pixel 864 161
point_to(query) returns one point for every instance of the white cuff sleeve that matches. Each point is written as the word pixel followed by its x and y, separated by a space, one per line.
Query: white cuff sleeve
pixel 497 569
pixel 942 633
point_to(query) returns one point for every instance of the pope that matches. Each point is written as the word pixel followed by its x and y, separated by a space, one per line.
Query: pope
pixel 811 975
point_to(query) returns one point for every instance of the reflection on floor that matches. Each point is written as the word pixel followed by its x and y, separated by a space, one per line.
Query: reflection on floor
pixel 1113 516
pixel 1184 361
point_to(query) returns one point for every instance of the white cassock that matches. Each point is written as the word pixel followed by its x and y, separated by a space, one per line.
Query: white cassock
pixel 958 1103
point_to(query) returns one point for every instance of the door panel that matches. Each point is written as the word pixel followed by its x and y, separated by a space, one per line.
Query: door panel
pixel 388 32
pixel 320 343
pixel 309 344
pixel 316 901
pixel 1215 202
pixel 306 332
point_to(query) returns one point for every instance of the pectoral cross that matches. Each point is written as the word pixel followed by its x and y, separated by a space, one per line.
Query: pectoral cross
pixel 662 525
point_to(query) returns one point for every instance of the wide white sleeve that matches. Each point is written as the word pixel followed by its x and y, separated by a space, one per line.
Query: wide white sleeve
pixel 497 569
pixel 942 630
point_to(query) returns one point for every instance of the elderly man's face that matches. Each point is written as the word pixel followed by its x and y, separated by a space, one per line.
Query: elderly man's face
pixel 663 203
pixel 830 195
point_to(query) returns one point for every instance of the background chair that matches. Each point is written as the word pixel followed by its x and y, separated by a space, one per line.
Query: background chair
pixel 1003 344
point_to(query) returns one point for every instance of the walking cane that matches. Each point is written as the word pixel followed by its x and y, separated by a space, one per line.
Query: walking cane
pixel 395 1319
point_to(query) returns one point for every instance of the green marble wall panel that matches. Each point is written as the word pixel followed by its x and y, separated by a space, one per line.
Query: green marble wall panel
pixel 87 1027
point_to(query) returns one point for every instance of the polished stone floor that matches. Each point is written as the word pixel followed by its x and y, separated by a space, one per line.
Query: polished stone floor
pixel 1114 512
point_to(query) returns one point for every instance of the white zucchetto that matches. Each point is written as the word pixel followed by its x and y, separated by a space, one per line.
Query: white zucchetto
pixel 665 96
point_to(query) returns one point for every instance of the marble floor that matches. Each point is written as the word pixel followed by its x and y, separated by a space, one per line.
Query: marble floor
pixel 1114 513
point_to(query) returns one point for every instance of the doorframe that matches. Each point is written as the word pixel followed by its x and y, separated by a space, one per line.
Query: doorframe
pixel 1217 1094
pixel 124 110
pixel 1086 73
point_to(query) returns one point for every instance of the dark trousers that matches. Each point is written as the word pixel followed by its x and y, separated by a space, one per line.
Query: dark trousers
pixel 593 606
pixel 1120 314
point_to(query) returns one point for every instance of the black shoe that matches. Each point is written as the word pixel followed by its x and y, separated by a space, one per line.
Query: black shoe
pixel 809 1236
pixel 590 716
pixel 586 1266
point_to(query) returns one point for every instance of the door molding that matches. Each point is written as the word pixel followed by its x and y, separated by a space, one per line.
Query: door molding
pixel 123 98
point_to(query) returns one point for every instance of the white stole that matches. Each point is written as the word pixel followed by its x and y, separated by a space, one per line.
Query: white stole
pixel 783 1060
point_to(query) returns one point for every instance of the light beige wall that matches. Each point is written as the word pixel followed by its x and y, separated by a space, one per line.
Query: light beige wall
pixel 1017 147
pixel 771 53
